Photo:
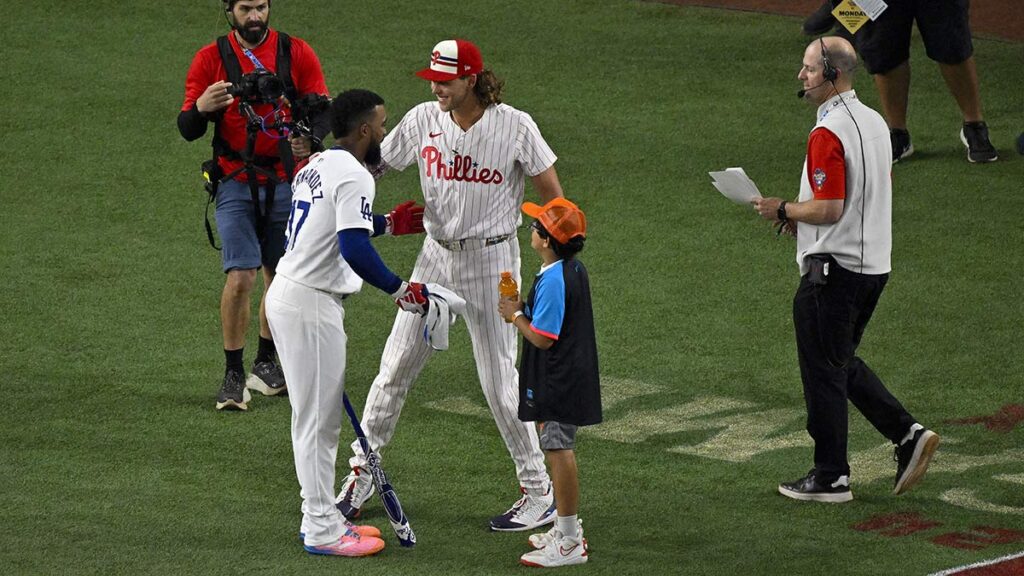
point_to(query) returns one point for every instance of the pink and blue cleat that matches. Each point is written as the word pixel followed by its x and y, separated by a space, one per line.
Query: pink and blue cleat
pixel 350 544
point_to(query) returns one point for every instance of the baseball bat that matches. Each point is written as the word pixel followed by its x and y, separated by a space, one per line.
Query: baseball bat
pixel 399 522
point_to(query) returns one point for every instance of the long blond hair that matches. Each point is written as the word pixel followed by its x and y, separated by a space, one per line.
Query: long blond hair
pixel 488 88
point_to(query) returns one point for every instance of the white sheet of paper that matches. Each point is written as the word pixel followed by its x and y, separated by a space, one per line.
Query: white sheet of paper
pixel 735 185
pixel 873 8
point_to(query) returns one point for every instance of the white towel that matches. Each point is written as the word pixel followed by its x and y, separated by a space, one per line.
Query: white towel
pixel 445 307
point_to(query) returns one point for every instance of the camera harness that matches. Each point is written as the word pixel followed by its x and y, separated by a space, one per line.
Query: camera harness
pixel 253 165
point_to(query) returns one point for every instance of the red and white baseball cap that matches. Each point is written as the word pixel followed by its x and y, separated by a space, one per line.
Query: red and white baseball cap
pixel 561 218
pixel 452 59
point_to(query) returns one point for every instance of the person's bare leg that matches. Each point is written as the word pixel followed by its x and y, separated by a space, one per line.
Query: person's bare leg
pixel 234 307
pixel 894 91
pixel 962 80
pixel 564 477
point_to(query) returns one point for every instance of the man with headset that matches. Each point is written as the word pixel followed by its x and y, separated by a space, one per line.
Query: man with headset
pixel 251 173
pixel 843 226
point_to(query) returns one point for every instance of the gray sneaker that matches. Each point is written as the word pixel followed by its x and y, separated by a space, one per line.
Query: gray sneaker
pixel 974 135
pixel 267 378
pixel 233 394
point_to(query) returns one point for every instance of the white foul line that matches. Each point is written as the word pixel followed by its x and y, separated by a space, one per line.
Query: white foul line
pixel 951 571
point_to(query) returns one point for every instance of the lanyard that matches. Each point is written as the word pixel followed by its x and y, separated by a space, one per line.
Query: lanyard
pixel 252 57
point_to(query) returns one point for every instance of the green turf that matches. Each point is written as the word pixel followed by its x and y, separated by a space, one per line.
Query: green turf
pixel 115 462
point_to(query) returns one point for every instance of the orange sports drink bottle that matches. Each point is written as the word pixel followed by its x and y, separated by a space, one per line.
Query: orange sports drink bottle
pixel 507 287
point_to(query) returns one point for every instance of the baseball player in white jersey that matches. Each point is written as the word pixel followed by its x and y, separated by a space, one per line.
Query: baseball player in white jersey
pixel 474 154
pixel 327 257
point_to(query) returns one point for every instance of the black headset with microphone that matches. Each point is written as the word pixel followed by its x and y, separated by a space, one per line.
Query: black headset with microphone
pixel 829 73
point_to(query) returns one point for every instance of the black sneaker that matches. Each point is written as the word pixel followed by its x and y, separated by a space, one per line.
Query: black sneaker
pixel 817 489
pixel 901 145
pixel 974 135
pixel 233 395
pixel 820 21
pixel 912 459
pixel 267 377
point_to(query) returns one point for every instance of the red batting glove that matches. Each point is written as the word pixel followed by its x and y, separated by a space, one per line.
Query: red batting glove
pixel 412 297
pixel 406 218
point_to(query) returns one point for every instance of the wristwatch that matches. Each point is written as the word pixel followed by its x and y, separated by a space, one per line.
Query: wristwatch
pixel 781 212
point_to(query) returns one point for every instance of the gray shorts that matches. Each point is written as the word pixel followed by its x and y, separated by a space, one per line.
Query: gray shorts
pixel 557 436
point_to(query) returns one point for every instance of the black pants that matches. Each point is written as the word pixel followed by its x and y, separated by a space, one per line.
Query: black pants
pixel 829 322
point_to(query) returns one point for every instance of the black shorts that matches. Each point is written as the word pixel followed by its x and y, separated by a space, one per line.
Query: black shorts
pixel 885 43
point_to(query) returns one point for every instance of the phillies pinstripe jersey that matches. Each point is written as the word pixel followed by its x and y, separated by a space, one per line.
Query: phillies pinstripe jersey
pixel 334 192
pixel 472 180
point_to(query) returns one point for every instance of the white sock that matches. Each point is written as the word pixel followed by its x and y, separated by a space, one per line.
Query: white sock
pixel 910 435
pixel 567 526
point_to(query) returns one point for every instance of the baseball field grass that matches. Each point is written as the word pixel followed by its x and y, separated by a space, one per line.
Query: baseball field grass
pixel 114 460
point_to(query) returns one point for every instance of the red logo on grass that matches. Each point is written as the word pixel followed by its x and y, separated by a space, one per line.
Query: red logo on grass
pixel 1004 421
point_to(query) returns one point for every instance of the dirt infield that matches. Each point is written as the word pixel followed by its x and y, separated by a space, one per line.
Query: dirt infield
pixel 989 18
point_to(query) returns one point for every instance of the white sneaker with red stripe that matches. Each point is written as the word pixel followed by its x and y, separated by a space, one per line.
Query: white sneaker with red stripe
pixel 559 551
pixel 542 539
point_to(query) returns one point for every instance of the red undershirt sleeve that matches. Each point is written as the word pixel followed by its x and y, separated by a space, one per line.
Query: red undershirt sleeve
pixel 826 166
pixel 307 70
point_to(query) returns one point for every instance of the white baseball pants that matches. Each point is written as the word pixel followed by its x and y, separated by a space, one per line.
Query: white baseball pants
pixel 308 329
pixel 473 275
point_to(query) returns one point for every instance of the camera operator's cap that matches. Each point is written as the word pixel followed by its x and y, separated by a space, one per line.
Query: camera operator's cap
pixel 561 218
pixel 452 59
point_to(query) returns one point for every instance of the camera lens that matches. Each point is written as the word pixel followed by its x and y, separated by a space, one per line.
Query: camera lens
pixel 270 87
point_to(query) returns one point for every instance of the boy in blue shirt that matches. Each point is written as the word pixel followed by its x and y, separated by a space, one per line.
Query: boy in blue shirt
pixel 559 385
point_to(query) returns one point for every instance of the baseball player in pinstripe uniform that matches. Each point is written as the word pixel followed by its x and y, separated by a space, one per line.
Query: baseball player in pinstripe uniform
pixel 327 257
pixel 474 155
